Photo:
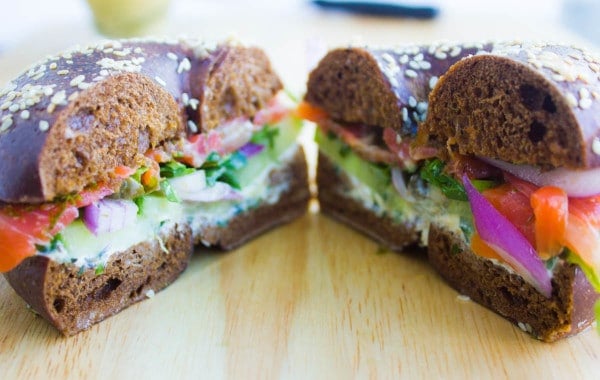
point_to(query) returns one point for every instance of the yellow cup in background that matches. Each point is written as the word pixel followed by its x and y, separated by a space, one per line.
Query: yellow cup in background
pixel 129 18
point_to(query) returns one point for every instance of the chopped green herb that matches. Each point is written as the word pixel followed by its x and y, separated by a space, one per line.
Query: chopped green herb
pixel 266 136
pixel 221 169
pixel 466 226
pixel 433 172
pixel 175 169
pixel 52 246
pixel 167 189
pixel 99 269
pixel 139 201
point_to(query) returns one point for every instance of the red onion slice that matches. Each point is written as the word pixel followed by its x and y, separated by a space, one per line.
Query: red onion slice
pixel 576 183
pixel 400 184
pixel 109 215
pixel 251 149
pixel 507 241
pixel 220 191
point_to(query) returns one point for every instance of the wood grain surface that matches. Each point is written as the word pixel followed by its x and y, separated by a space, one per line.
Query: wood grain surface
pixel 311 300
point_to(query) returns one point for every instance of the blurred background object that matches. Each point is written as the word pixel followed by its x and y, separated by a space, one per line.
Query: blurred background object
pixel 287 29
pixel 129 18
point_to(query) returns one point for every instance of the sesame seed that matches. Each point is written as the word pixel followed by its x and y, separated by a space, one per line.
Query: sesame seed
pixel 13 107
pixel 410 73
pixel 585 103
pixel 184 65
pixel 185 98
pixel 571 99
pixel 404 59
pixel 73 96
pixel 425 65
pixel 160 81
pixel 432 82
pixel 59 98
pixel 192 126
pixel 137 50
pixel 108 50
pixel 5 105
pixel 51 107
pixel 440 55
pixel 405 114
pixel 69 62
pixel 122 53
pixel 6 123
pixel 414 65
pixel 44 125
pixel 172 56
pixel 596 146
pixel 455 51
pixel 584 93
pixel 25 114
pixel 422 107
pixel 62 72
pixel 150 293
pixel 388 58
pixel 53 66
pixel 194 103
pixel 418 57
pixel 48 90
pixel 77 80
pixel 83 85
pixel 412 102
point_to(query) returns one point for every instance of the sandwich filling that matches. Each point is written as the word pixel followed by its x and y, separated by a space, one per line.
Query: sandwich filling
pixel 211 178
pixel 528 228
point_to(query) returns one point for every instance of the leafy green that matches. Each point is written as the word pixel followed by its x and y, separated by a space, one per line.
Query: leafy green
pixel 52 246
pixel 139 201
pixel 266 136
pixel 167 189
pixel 433 172
pixel 174 169
pixel 222 169
pixel 99 269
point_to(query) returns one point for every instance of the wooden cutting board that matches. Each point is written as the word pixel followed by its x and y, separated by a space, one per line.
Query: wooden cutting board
pixel 313 299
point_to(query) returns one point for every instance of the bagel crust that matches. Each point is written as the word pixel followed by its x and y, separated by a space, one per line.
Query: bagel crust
pixel 67 122
pixel 520 103
pixel 387 88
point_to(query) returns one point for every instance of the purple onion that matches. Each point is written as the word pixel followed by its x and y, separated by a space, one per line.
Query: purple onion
pixel 220 191
pixel 251 149
pixel 109 215
pixel 500 234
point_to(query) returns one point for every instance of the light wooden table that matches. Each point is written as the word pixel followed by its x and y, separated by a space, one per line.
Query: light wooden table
pixel 313 299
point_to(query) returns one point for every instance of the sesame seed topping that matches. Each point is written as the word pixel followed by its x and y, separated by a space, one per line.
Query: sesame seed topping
pixel 455 51
pixel 440 55
pixel 69 62
pixel 194 103
pixel 388 58
pixel 410 73
pixel 424 65
pixel 73 96
pixel 414 65
pixel 6 123
pixel 25 114
pixel 192 126
pixel 571 99
pixel 172 56
pixel 422 107
pixel 404 59
pixel 418 57
pixel 77 80
pixel 53 66
pixel 405 114
pixel 584 93
pixel 596 146
pixel 432 82
pixel 13 107
pixel 5 105
pixel 160 81
pixel 83 85
pixel 44 125
pixel 412 102
pixel 137 50
pixel 185 98
pixel 122 53
pixel 62 72
pixel 184 65
pixel 59 98
pixel 585 103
